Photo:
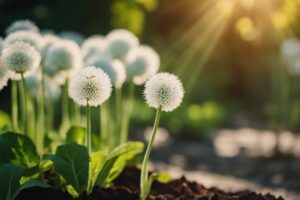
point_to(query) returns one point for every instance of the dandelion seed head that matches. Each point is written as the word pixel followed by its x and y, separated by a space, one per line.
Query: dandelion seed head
pixel 115 69
pixel 30 37
pixel 90 85
pixel 20 57
pixel 93 46
pixel 164 90
pixel 4 75
pixel 141 63
pixel 119 42
pixel 21 25
pixel 62 59
pixel 72 36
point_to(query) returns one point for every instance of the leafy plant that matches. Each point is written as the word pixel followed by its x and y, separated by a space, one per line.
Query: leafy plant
pixel 10 184
pixel 82 171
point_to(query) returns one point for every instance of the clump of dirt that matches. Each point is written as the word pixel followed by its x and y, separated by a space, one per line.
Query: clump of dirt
pixel 126 187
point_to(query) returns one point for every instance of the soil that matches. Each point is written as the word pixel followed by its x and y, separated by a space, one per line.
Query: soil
pixel 126 187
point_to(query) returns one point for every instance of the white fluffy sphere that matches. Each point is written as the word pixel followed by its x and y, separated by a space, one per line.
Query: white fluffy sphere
pixel 4 75
pixel 113 68
pixel 93 46
pixel 20 57
pixel 30 37
pixel 119 42
pixel 49 40
pixel 141 63
pixel 1 45
pixel 72 36
pixel 21 25
pixel 33 83
pixel 90 85
pixel 62 59
pixel 164 90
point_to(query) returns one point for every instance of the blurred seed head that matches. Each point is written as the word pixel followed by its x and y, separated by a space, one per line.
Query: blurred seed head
pixel 62 59
pixel 119 42
pixel 4 75
pixel 90 85
pixel 49 40
pixel 20 57
pixel 164 90
pixel 93 46
pixel 141 63
pixel 113 68
pixel 21 25
pixel 30 37
pixel 72 36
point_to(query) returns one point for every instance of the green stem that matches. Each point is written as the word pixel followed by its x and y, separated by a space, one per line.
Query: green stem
pixel 144 187
pixel 24 100
pixel 14 105
pixel 39 135
pixel 127 110
pixel 65 111
pixel 88 127
pixel 118 114
pixel 103 123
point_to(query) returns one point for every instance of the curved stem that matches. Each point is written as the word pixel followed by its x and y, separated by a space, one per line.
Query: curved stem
pixel 88 127
pixel 14 106
pixel 144 187
pixel 24 100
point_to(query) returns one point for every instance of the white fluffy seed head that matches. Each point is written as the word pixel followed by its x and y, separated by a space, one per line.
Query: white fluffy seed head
pixel 164 90
pixel 72 36
pixel 90 85
pixel 4 75
pixel 113 68
pixel 141 63
pixel 62 59
pixel 30 37
pixel 33 83
pixel 21 25
pixel 49 40
pixel 20 57
pixel 93 46
pixel 1 45
pixel 119 42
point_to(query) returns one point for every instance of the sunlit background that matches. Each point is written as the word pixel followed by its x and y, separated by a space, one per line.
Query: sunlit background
pixel 239 94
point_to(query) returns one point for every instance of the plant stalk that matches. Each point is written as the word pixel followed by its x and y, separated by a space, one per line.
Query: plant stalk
pixel 14 106
pixel 65 111
pixel 144 187
pixel 118 115
pixel 88 127
pixel 24 103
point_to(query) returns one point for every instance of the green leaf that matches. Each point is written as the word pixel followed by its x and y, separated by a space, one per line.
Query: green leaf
pixel 163 177
pixel 34 183
pixel 116 161
pixel 76 134
pixel 4 120
pixel 10 176
pixel 18 149
pixel 96 163
pixel 71 161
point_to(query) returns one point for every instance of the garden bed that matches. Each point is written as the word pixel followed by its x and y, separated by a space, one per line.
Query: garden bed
pixel 126 186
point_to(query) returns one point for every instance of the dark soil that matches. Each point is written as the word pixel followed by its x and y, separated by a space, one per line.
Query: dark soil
pixel 126 187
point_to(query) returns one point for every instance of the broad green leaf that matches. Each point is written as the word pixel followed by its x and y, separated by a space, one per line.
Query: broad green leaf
pixel 19 149
pixel 76 134
pixel 96 163
pixel 34 183
pixel 116 161
pixel 10 176
pixel 71 161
